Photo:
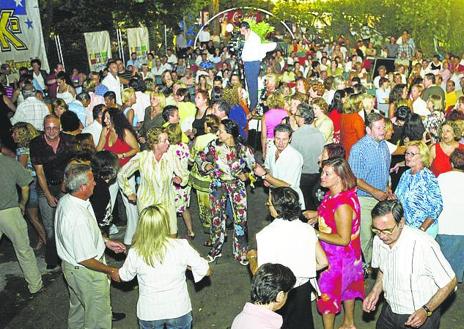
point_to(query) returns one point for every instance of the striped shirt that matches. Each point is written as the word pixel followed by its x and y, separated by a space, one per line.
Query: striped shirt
pixel 370 161
pixel 413 270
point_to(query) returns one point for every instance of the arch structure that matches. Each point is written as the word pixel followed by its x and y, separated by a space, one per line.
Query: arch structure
pixel 238 8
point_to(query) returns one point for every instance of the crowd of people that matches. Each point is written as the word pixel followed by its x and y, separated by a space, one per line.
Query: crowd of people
pixel 364 164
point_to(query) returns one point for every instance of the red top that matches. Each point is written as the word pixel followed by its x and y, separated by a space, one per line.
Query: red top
pixel 442 163
pixel 119 147
pixel 336 118
pixel 352 129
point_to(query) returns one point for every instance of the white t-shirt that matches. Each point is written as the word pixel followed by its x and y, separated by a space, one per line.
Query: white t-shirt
pixel 451 187
pixel 113 84
pixel 163 290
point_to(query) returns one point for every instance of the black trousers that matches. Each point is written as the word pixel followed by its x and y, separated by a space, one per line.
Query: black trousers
pixel 390 320
pixel 307 184
pixel 297 313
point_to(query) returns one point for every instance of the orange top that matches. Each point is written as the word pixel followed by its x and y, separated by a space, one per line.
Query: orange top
pixel 352 129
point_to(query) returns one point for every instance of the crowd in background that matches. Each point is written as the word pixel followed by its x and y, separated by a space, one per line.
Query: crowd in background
pixel 339 126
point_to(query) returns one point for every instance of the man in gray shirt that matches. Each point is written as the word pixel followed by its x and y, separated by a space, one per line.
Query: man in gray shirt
pixel 309 141
pixel 12 222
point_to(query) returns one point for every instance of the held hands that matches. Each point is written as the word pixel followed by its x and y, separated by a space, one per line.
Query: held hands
pixel 177 180
pixel 114 274
pixel 259 170
pixel 370 302
pixel 116 246
pixel 132 198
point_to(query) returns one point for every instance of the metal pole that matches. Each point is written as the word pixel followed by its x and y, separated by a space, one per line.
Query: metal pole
pixel 165 40
pixel 60 51
pixel 119 46
pixel 123 57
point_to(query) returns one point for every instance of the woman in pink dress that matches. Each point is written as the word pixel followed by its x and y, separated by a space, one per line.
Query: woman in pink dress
pixel 271 119
pixel 339 224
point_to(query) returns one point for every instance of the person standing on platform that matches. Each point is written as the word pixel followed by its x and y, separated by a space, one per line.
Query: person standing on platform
pixel 252 54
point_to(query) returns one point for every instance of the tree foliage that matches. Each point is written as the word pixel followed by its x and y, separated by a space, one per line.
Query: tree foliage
pixel 427 20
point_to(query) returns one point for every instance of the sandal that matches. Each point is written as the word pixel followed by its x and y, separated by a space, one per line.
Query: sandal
pixel 190 236
pixel 208 243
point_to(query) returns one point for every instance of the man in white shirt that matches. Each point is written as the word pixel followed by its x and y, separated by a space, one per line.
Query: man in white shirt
pixel 31 110
pixel 252 54
pixel 283 162
pixel 95 128
pixel 413 273
pixel 81 247
pixel 111 81
pixel 204 36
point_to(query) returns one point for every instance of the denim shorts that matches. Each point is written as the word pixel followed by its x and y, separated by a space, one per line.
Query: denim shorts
pixel 183 322
pixel 33 201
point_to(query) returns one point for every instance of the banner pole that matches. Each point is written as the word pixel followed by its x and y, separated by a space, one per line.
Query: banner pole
pixel 123 57
pixel 165 40
pixel 61 52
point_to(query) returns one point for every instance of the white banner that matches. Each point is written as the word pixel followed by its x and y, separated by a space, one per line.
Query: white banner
pixel 137 39
pixel 21 36
pixel 98 49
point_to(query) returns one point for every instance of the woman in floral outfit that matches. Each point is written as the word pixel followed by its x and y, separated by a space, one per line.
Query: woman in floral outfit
pixel 181 152
pixel 229 163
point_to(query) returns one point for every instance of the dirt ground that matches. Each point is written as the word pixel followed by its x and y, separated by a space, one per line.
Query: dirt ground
pixel 215 301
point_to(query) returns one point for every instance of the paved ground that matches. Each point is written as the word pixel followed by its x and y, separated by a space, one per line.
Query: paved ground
pixel 215 301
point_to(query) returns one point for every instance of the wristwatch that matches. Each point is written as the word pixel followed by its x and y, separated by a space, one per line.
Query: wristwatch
pixel 427 310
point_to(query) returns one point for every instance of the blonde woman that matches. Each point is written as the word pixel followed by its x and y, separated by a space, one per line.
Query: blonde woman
pixel 22 134
pixel 158 171
pixel 180 151
pixel 434 121
pixel 128 100
pixel 271 119
pixel 322 121
pixel 160 262
pixel 153 115
pixel 418 190
pixel 201 182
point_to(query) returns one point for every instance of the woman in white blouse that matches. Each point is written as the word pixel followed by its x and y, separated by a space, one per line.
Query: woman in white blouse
pixel 293 243
pixel 160 262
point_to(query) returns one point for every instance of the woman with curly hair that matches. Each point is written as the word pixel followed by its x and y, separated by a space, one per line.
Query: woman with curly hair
pixel 228 161
pixel 22 134
pixel 158 169
pixel 450 134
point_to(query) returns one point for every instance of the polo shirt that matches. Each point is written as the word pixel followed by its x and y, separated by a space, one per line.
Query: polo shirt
pixel 413 269
pixel 370 161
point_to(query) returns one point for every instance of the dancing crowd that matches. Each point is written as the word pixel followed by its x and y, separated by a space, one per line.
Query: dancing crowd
pixel 363 164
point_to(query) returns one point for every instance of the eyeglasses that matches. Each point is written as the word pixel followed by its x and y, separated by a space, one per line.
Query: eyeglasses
pixel 410 154
pixel 387 231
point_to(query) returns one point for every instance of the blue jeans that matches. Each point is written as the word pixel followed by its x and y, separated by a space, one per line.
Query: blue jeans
pixel 251 77
pixel 183 322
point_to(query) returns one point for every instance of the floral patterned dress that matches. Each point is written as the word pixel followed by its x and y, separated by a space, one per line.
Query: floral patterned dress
pixel 181 152
pixel 228 163
pixel 343 279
